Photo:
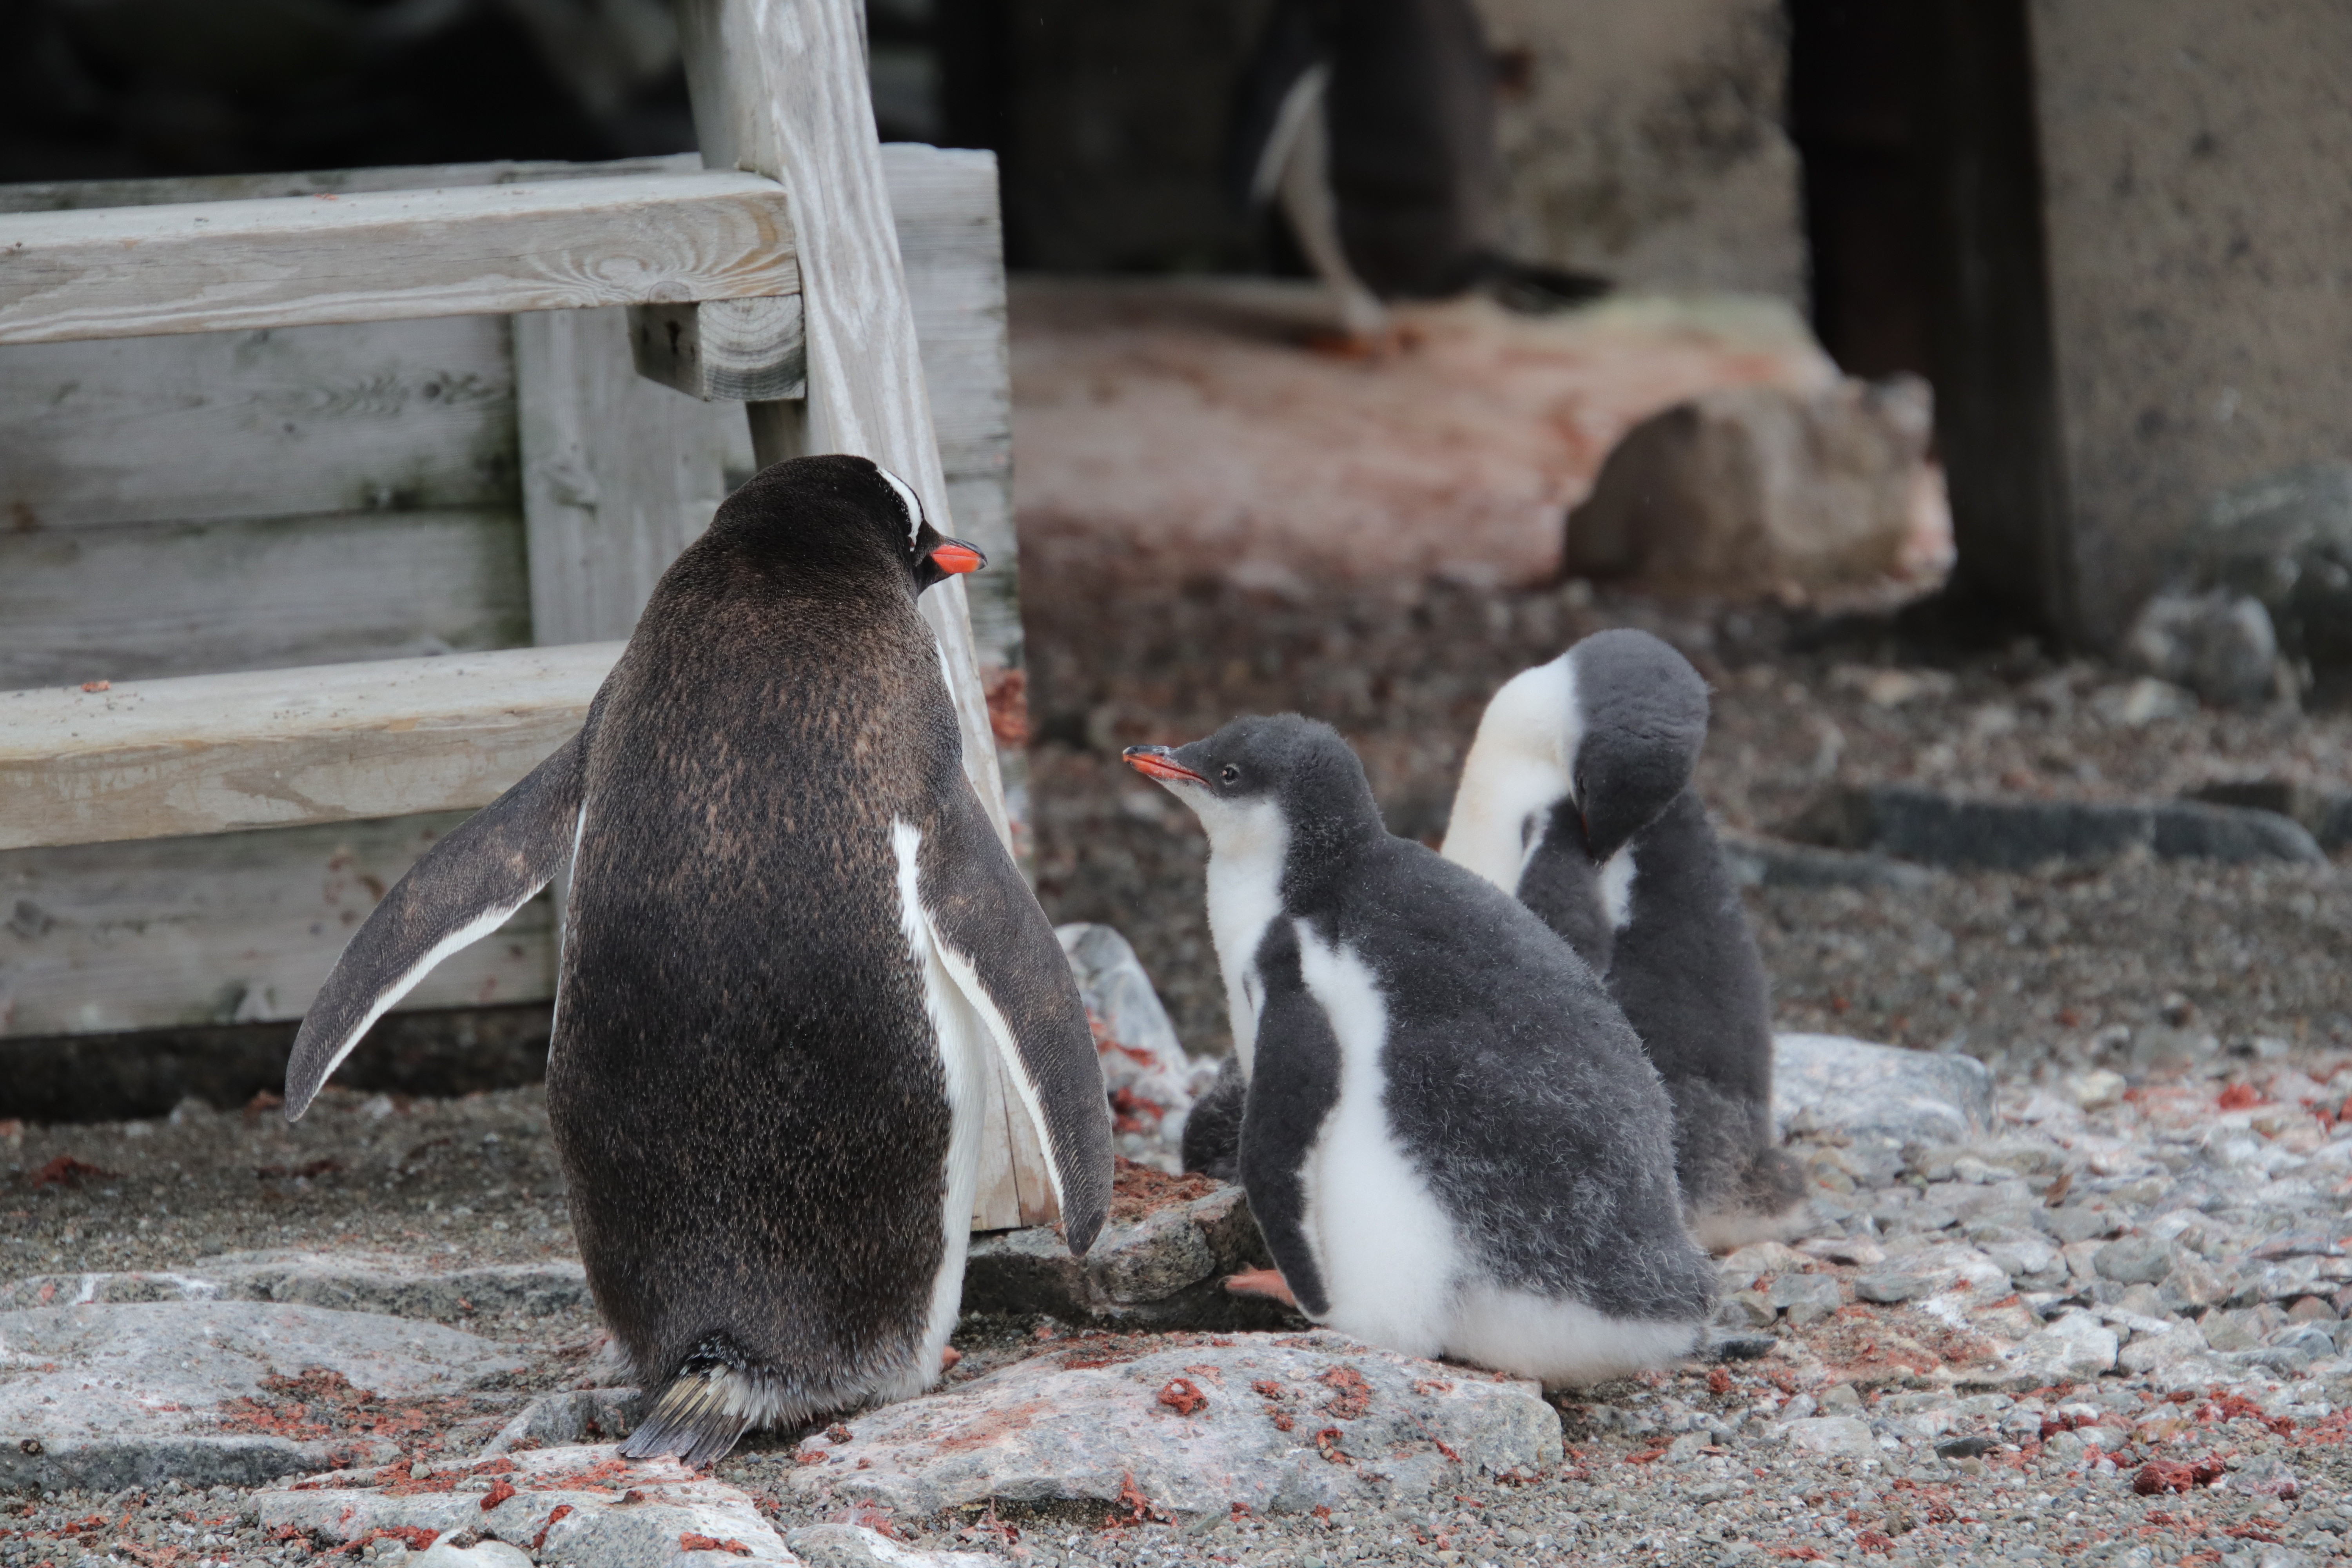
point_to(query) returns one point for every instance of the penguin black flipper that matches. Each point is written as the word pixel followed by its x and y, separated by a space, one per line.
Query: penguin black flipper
pixel 1293 1089
pixel 463 889
pixel 998 947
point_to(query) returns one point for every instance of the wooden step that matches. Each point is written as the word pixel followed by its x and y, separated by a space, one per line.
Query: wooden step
pixel 286 261
pixel 278 748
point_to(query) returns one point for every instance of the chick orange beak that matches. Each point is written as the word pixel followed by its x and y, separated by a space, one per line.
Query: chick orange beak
pixel 955 557
pixel 1154 762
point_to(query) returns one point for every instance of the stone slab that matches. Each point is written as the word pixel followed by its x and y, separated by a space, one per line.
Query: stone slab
pixel 582 1506
pixel 1934 827
pixel 131 1394
pixel 1280 1423
pixel 1159 1262
pixel 1884 1091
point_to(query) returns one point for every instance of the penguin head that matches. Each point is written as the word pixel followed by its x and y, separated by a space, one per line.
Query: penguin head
pixel 840 515
pixel 1260 775
pixel 1639 719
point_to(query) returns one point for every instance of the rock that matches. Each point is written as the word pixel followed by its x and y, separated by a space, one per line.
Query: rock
pixel 1904 1285
pixel 104 1397
pixel 1142 1060
pixel 1160 1261
pixel 2189 830
pixel 1743 490
pixel 584 1507
pixel 2148 1351
pixel 2285 539
pixel 346 1282
pixel 854 1546
pixel 1285 1423
pixel 2325 815
pixel 2135 1260
pixel 2092 1091
pixel 2032 1262
pixel 1937 829
pixel 1885 1091
pixel 488 1555
pixel 2194 1284
pixel 1779 863
pixel 1839 1437
pixel 2080 1223
pixel 2074 1347
pixel 1805 1298
pixel 2217 644
pixel 574 1416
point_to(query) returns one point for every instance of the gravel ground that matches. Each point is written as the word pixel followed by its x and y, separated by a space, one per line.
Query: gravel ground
pixel 2188 981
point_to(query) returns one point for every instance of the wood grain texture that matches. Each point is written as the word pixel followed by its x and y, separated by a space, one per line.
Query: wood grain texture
pixel 744 351
pixel 216 753
pixel 131 603
pixel 228 928
pixel 780 87
pixel 386 415
pixel 377 256
pixel 81 195
pixel 619 473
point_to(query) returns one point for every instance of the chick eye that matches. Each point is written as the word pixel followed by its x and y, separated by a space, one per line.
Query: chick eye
pixel 1229 773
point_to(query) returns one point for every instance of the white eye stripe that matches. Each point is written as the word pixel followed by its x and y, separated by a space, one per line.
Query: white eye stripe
pixel 909 500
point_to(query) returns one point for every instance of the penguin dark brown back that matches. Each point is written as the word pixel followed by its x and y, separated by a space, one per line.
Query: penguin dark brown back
pixel 1576 796
pixel 794 950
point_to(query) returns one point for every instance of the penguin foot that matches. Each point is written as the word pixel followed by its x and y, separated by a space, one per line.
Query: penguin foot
pixel 949 1356
pixel 1266 1282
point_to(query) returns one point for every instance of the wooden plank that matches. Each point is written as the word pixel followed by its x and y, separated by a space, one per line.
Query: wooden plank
pixel 232 928
pixel 306 420
pixel 215 754
pixel 80 195
pixel 376 255
pixel 619 473
pixel 133 604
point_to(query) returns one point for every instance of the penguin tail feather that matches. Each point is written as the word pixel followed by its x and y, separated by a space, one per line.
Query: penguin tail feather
pixel 716 1395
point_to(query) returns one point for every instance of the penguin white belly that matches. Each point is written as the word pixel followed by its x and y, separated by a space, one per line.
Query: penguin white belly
pixel 966 1049
pixel 1244 897
pixel 1557 1341
pixel 1388 1253
pixel 1396 1268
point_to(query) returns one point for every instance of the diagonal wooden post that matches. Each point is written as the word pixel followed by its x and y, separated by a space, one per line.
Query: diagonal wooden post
pixel 780 89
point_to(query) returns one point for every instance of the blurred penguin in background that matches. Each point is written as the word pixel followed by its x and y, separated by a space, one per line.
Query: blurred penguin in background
pixel 1370 124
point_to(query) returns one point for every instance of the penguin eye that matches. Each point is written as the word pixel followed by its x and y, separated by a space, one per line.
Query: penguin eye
pixel 1229 773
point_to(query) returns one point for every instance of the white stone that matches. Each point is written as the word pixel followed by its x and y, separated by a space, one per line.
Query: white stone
pixel 1054 1428
pixel 854 1546
pixel 589 1486
pixel 1134 1039
pixel 1843 1435
pixel 1885 1091
pixel 104 1397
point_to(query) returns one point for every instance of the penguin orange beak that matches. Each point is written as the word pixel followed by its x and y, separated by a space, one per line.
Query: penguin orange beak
pixel 1158 762
pixel 955 557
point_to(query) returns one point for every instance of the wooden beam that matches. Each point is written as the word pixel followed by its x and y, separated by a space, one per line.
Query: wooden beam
pixel 213 753
pixel 743 350
pixel 375 256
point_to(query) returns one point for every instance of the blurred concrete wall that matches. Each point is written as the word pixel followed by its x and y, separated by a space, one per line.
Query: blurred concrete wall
pixel 1647 141
pixel 2196 170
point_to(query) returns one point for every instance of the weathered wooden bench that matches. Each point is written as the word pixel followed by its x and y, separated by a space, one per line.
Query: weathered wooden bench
pixel 296 468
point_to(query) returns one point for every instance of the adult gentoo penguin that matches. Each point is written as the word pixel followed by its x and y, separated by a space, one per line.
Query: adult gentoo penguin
pixel 1370 124
pixel 1577 797
pixel 1450 1139
pixel 793 945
